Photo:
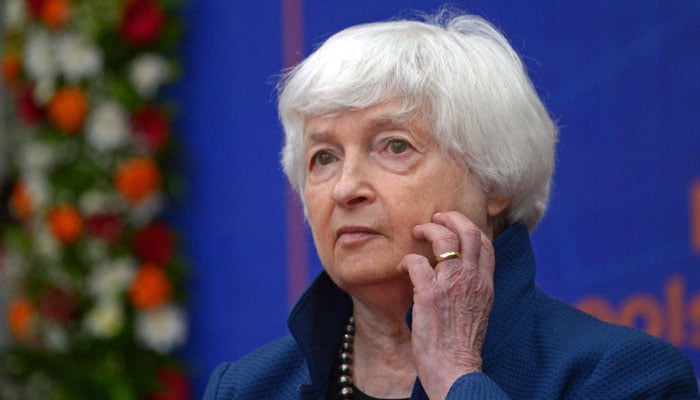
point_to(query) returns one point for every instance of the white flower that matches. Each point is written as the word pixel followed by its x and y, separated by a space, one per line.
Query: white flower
pixel 38 187
pixel 162 329
pixel 95 249
pixel 108 126
pixel 44 90
pixel 147 209
pixel 45 244
pixel 36 156
pixel 15 14
pixel 147 73
pixel 55 337
pixel 77 58
pixel 14 267
pixel 111 278
pixel 38 56
pixel 97 201
pixel 105 319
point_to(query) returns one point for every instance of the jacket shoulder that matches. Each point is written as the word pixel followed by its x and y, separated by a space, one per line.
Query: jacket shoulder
pixel 638 365
pixel 611 361
pixel 273 371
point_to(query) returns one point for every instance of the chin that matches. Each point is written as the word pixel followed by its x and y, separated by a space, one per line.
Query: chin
pixel 350 280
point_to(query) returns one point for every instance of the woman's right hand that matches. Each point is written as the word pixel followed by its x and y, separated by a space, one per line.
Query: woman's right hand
pixel 451 302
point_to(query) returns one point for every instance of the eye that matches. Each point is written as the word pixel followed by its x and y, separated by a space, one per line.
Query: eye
pixel 323 158
pixel 397 146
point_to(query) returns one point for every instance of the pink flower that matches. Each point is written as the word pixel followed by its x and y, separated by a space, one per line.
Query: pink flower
pixel 142 22
pixel 151 124
pixel 34 7
pixel 174 385
pixel 58 305
pixel 155 243
pixel 28 110
pixel 105 226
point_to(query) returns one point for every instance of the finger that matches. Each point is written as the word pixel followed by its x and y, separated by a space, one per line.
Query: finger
pixel 442 239
pixel 419 271
pixel 487 258
pixel 470 236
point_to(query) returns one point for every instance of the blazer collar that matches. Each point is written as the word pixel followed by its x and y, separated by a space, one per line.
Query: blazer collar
pixel 317 319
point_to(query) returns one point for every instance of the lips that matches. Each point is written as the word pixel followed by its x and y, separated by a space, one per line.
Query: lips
pixel 351 235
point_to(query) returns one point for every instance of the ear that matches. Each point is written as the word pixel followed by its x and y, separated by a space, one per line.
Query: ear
pixel 496 205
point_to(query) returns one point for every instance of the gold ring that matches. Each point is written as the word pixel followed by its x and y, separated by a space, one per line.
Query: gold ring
pixel 448 256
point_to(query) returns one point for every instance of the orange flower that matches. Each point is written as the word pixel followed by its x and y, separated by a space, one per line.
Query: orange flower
pixel 66 223
pixel 11 65
pixel 20 316
pixel 150 288
pixel 55 13
pixel 21 201
pixel 137 178
pixel 67 109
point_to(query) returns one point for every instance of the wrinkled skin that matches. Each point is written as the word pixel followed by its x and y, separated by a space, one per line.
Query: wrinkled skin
pixel 383 201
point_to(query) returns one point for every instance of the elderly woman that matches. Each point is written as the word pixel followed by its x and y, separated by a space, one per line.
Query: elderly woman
pixel 424 156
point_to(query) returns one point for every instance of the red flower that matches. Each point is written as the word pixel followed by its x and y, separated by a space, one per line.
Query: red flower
pixel 58 305
pixel 28 110
pixel 151 124
pixel 155 243
pixel 142 21
pixel 105 226
pixel 174 385
pixel 34 7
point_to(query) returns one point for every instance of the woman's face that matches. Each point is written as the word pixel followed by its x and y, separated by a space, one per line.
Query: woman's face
pixel 370 178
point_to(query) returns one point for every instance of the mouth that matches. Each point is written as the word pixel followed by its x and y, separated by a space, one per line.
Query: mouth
pixel 353 235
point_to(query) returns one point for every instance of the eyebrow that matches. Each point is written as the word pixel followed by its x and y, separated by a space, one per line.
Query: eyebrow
pixel 381 121
pixel 317 136
pixel 390 120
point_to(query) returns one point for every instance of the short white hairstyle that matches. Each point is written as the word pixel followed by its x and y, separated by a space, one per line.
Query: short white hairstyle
pixel 459 69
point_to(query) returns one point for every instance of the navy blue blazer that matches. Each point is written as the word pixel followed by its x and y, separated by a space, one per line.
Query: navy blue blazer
pixel 535 348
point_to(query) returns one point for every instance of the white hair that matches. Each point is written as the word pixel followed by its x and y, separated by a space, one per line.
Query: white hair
pixel 460 70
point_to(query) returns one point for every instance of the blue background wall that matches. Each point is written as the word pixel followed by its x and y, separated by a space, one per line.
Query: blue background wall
pixel 621 79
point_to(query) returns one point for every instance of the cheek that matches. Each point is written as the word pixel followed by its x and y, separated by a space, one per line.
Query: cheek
pixel 421 203
pixel 404 214
pixel 318 216
pixel 451 192
pixel 313 201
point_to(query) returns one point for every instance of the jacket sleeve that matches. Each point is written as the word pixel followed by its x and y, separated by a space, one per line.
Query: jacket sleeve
pixel 475 385
pixel 644 368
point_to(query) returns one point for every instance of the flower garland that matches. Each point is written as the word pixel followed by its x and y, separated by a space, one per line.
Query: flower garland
pixel 91 275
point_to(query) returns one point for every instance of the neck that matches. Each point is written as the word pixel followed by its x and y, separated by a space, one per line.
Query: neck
pixel 383 362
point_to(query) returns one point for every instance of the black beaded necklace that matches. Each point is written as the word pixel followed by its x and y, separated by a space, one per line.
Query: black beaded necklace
pixel 345 361
pixel 347 390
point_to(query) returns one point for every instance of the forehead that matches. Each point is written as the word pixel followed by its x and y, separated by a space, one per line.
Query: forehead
pixel 391 114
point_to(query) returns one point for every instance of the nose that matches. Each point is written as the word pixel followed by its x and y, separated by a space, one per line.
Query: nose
pixel 353 186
